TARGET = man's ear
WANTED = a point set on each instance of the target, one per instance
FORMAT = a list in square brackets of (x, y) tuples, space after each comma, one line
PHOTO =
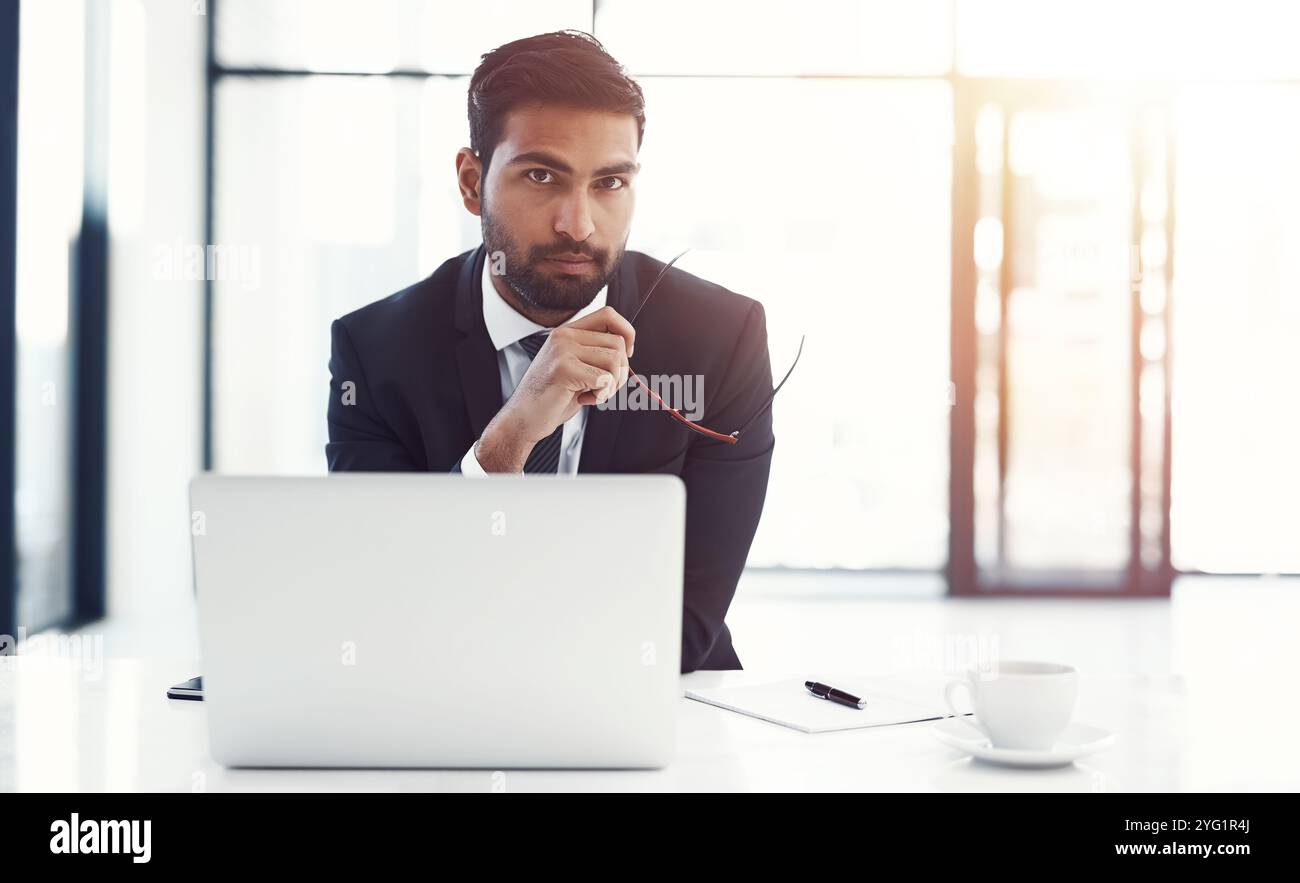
[(469, 172)]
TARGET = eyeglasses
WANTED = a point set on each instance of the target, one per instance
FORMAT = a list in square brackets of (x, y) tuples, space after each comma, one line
[(732, 437)]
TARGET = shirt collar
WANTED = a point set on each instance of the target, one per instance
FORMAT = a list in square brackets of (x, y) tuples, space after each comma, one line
[(506, 326)]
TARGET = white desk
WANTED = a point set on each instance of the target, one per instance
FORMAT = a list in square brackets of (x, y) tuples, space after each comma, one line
[(67, 733), (1200, 689)]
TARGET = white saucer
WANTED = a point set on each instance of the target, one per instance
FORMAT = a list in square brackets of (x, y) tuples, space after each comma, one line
[(1078, 740)]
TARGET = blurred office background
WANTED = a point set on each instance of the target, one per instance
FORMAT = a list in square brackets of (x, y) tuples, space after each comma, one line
[(1045, 256)]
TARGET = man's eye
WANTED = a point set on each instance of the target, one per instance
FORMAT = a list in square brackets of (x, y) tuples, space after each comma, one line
[(539, 176), (612, 183)]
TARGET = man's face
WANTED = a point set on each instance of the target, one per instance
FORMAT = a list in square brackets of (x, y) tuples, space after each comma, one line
[(558, 201)]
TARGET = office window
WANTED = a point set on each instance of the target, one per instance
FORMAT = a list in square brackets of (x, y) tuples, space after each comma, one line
[(1236, 424), (50, 174), (775, 37), (318, 209), (1127, 39), (1059, 248), (809, 165), (838, 222), (381, 35), (341, 190)]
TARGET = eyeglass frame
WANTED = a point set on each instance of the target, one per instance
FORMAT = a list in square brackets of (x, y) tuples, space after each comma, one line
[(729, 438)]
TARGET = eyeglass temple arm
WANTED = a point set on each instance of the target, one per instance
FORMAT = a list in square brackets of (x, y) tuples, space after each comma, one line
[(735, 435), (677, 415), (768, 403), (653, 286)]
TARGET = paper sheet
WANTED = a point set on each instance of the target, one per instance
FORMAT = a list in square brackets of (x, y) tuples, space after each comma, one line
[(789, 704)]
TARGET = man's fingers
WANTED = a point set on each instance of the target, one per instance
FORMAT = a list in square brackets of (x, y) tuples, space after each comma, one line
[(608, 359), (581, 377), (589, 357), (607, 319), (586, 337), (598, 348)]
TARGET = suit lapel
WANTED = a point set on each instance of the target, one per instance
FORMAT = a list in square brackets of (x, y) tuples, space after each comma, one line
[(599, 441), (476, 357)]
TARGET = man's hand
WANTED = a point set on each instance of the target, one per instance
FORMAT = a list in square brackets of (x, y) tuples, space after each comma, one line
[(582, 363)]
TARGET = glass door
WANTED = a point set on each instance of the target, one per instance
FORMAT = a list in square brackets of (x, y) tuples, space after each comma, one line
[(1060, 481)]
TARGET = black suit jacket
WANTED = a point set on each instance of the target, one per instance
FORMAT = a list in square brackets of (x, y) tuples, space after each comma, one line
[(426, 383)]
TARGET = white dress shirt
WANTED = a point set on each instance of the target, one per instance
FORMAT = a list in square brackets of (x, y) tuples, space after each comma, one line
[(507, 327)]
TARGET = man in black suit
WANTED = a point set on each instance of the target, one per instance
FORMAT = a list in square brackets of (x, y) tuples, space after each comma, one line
[(508, 358)]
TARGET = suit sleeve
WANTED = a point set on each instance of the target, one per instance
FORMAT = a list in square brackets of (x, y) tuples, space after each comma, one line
[(726, 485), (359, 438)]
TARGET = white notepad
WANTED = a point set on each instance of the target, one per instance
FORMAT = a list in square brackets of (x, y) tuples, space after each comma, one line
[(789, 704)]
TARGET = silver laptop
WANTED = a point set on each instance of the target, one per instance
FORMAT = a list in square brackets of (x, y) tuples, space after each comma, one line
[(384, 620)]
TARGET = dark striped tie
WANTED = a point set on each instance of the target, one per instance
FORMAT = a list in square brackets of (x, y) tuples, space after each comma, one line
[(546, 453)]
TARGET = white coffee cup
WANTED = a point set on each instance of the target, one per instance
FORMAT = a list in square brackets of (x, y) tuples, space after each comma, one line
[(1023, 705)]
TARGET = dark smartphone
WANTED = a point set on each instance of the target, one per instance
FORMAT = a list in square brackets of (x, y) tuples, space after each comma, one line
[(191, 689)]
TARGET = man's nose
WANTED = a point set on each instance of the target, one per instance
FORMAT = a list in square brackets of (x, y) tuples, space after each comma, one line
[(574, 218)]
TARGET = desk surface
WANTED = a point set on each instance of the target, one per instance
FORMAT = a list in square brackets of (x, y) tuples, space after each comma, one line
[(68, 730), (1199, 688)]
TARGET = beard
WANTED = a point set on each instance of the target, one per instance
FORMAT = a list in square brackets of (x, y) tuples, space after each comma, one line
[(529, 277)]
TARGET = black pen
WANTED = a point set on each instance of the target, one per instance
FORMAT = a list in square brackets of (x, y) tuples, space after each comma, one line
[(822, 691)]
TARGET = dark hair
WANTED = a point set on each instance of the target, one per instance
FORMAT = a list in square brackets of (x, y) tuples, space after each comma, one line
[(568, 68)]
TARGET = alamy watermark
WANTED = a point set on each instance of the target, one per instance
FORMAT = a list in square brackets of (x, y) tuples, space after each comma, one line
[(683, 393), (51, 648), (226, 262), (948, 652)]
